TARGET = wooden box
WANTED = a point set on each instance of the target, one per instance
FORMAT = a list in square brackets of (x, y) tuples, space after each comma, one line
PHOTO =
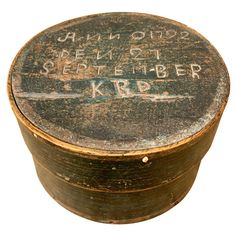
[(118, 110)]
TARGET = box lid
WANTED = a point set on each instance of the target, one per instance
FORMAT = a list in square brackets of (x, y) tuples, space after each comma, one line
[(119, 82)]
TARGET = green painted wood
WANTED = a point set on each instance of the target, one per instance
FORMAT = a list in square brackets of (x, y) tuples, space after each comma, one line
[(118, 110)]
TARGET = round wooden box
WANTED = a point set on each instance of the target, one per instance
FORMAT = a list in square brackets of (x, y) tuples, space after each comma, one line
[(118, 110)]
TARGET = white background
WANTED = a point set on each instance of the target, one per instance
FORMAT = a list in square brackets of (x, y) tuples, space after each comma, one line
[(25, 207)]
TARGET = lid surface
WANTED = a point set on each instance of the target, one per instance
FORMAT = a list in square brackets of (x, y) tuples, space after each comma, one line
[(119, 81)]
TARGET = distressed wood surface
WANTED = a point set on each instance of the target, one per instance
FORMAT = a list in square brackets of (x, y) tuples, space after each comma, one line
[(118, 110)]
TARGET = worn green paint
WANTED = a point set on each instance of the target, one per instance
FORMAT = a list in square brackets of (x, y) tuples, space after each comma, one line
[(118, 110)]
